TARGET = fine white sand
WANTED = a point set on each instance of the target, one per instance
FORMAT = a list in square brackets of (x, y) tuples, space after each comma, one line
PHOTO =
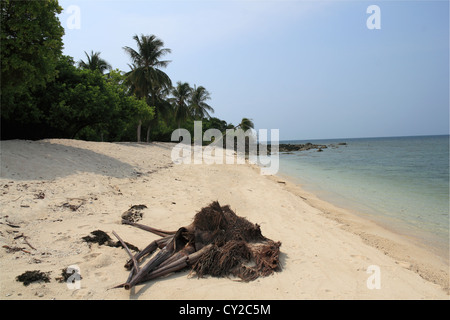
[(55, 192)]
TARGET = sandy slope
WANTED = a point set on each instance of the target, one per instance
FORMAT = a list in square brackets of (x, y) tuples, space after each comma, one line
[(325, 252)]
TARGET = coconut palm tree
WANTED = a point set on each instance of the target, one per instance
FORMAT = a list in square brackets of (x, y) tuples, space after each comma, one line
[(246, 124), (94, 62), (181, 94), (146, 77), (199, 108), (163, 105)]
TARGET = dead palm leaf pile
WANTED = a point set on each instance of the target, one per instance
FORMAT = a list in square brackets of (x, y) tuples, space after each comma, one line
[(217, 243)]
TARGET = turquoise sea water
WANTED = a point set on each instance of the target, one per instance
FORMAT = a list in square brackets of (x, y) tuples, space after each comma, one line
[(399, 182)]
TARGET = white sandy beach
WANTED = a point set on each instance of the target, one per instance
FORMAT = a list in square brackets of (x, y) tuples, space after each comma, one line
[(325, 252)]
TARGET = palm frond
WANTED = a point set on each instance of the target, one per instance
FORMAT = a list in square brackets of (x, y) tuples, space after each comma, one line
[(94, 62), (246, 124), (199, 108)]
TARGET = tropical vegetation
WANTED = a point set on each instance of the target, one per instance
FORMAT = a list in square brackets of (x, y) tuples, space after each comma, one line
[(94, 62), (45, 94)]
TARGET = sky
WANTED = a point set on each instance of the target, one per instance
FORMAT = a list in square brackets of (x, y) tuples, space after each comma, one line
[(312, 69)]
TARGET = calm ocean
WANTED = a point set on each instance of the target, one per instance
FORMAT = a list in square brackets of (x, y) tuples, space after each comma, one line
[(399, 182)]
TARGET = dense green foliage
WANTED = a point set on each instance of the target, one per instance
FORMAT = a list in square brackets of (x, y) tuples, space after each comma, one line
[(81, 98), (45, 94), (30, 46)]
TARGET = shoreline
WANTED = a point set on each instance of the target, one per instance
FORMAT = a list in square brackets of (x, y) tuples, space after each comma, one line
[(407, 249), (56, 192), (372, 180)]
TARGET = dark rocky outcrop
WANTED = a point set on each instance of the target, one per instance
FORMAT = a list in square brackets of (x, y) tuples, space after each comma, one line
[(289, 148)]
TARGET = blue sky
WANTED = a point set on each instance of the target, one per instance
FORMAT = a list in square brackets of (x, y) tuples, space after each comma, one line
[(311, 69)]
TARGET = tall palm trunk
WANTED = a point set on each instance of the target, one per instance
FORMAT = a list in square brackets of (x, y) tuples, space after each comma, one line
[(155, 117), (138, 133), (148, 133)]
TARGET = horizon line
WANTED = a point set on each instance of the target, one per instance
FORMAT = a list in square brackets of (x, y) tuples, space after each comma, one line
[(371, 137)]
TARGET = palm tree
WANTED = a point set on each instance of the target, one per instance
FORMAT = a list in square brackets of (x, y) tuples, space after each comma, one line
[(250, 140), (181, 94), (162, 104), (199, 108), (146, 78), (94, 62), (245, 124)]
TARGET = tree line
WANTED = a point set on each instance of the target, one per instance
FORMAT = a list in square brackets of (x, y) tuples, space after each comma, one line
[(45, 94)]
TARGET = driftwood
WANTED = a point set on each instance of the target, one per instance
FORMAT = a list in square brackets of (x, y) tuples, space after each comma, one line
[(217, 243)]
